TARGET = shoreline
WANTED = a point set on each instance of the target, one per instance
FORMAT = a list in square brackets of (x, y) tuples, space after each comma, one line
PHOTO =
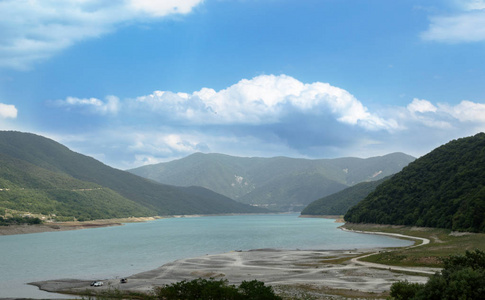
[(76, 225), (71, 225), (316, 270)]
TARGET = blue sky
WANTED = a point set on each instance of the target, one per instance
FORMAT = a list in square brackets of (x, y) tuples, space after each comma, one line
[(134, 82)]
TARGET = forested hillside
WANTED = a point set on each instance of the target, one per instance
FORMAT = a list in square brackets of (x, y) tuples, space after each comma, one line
[(40, 175), (28, 188), (445, 189), (278, 183), (340, 202)]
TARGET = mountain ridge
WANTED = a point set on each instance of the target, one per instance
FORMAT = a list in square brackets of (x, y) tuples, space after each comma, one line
[(46, 154), (258, 181)]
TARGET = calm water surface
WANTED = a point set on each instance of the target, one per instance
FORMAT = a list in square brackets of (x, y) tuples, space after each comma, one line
[(125, 250)]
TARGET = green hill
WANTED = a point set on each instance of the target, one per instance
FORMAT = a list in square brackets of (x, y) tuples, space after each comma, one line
[(340, 202), (43, 175), (28, 188), (445, 189), (278, 183)]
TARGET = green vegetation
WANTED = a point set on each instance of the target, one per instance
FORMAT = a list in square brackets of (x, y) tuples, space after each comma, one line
[(279, 183), (38, 175), (340, 202), (443, 243), (197, 289), (205, 289), (444, 189), (463, 277), (6, 221)]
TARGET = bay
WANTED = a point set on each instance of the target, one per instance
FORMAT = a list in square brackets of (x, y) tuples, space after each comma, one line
[(121, 251)]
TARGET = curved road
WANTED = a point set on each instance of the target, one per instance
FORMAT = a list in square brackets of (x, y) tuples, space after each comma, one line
[(424, 241)]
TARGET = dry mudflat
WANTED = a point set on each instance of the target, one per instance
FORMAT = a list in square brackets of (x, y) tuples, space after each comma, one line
[(320, 272)]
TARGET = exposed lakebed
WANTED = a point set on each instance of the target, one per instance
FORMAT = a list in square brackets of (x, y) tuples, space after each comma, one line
[(104, 253)]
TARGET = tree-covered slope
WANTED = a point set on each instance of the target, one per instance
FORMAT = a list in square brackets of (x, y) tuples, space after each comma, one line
[(279, 183), (445, 189), (162, 199), (339, 203), (28, 188)]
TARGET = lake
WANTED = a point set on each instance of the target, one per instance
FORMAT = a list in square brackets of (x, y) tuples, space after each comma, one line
[(121, 251)]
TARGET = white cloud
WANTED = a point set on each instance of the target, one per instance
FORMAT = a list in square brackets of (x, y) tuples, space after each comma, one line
[(467, 25), (8, 111), (264, 116), (421, 106), (466, 111), (93, 105), (442, 115), (472, 4), (34, 30), (264, 99), (164, 7)]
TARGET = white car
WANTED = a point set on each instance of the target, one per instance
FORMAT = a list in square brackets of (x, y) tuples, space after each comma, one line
[(98, 283)]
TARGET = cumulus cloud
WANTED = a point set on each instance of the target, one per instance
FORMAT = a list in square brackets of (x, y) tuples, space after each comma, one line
[(8, 111), (443, 115), (421, 106), (92, 105), (267, 115), (466, 111), (34, 30), (263, 99), (466, 25)]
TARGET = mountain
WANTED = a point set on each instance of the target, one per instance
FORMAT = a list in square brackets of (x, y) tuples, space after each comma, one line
[(444, 189), (40, 175), (28, 188), (340, 202), (278, 183)]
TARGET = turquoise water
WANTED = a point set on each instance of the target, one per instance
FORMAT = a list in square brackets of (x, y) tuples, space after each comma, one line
[(125, 250)]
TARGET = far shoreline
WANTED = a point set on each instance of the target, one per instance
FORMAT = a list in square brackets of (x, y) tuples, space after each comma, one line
[(78, 225), (71, 225), (337, 218)]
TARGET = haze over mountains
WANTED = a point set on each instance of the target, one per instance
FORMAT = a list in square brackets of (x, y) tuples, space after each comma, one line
[(39, 175), (278, 183)]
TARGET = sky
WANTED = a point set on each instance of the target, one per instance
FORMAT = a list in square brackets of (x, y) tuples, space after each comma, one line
[(137, 82)]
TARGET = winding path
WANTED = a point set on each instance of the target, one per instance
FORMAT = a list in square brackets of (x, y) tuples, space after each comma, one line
[(424, 241)]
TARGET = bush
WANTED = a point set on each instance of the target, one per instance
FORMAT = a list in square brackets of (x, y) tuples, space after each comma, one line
[(463, 277), (203, 289)]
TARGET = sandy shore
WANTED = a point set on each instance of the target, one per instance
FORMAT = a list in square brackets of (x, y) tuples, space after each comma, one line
[(316, 271), (63, 226)]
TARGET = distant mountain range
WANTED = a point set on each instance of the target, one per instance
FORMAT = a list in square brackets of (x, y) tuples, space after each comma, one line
[(444, 189), (340, 202), (278, 183), (39, 175)]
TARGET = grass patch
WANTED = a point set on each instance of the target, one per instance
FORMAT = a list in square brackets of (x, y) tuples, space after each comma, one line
[(443, 243), (340, 260), (310, 292)]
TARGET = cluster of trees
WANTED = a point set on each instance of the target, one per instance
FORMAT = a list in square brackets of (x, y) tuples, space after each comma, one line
[(209, 289), (444, 189), (463, 277), (6, 221)]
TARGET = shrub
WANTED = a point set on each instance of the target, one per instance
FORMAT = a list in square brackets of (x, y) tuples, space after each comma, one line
[(211, 289), (463, 277)]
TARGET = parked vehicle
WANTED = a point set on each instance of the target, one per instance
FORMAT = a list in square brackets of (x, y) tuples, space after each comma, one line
[(98, 283)]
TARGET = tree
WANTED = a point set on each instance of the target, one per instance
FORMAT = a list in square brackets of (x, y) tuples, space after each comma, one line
[(211, 289), (463, 277)]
